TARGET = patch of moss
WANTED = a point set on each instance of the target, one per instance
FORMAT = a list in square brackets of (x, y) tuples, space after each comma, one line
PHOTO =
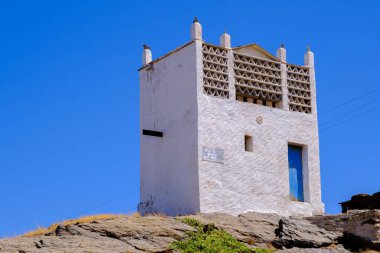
[(209, 239)]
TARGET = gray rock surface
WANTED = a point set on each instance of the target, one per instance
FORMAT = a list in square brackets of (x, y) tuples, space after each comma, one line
[(298, 232), (250, 228), (318, 250), (362, 202), (123, 234), (362, 225)]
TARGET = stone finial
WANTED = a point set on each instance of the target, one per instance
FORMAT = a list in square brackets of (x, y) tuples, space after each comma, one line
[(281, 53), (225, 40), (196, 30), (309, 58), (147, 55)]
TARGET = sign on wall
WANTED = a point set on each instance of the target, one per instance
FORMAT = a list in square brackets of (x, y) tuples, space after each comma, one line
[(213, 154)]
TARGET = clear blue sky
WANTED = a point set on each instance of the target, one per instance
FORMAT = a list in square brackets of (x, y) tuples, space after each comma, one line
[(69, 115)]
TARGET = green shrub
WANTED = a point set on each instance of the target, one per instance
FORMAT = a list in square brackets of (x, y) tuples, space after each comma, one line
[(262, 250), (192, 222), (209, 239)]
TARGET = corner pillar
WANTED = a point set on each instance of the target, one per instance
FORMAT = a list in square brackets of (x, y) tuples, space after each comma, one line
[(225, 42), (281, 55)]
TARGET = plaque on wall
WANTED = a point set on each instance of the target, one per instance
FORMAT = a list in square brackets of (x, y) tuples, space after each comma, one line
[(213, 154)]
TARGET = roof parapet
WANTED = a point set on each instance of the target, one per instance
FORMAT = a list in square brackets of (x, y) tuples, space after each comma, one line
[(147, 55), (309, 58), (281, 53), (225, 40), (196, 30)]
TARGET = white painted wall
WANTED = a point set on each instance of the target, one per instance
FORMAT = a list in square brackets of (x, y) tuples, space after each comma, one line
[(168, 165), (259, 180)]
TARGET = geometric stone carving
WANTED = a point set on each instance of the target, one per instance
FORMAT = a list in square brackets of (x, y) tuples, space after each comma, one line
[(215, 71), (298, 83)]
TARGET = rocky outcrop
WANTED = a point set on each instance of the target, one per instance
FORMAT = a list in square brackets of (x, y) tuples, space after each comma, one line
[(123, 234), (362, 202), (361, 228), (298, 232), (339, 249), (250, 228), (156, 234)]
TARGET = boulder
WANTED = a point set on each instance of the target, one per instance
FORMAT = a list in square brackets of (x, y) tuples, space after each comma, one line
[(338, 249), (360, 227), (362, 202), (123, 234), (251, 228), (298, 232)]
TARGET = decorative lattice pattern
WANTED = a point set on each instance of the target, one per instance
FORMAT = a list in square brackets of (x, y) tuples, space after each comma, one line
[(215, 75), (298, 80), (257, 80)]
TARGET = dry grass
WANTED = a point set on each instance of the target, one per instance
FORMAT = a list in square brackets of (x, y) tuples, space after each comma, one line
[(368, 251), (86, 219), (36, 232), (157, 215), (135, 215), (332, 246)]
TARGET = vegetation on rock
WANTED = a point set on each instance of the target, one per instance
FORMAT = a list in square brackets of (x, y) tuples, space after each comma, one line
[(209, 239)]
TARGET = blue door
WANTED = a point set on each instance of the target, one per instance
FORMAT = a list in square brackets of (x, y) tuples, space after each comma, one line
[(295, 173)]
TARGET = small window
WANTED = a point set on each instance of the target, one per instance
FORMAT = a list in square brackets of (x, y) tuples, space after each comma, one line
[(248, 143)]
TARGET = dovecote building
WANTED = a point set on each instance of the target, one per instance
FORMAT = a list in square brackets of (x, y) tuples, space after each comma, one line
[(228, 129)]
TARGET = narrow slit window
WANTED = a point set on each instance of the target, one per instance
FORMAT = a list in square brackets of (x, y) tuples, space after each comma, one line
[(152, 133), (248, 142)]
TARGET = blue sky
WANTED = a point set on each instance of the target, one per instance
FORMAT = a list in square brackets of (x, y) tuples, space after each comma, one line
[(69, 138)]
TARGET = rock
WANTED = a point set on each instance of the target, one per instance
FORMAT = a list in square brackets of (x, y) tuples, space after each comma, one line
[(298, 232), (338, 249), (261, 226), (227, 222), (124, 234), (250, 228), (52, 244), (361, 227), (362, 202)]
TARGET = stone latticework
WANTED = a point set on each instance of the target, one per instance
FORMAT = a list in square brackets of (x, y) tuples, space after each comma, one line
[(215, 75), (299, 94), (257, 78)]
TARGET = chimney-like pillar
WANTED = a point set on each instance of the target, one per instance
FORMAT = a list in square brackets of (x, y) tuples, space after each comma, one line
[(225, 41), (309, 63), (196, 30), (281, 55), (314, 196), (308, 58), (147, 55)]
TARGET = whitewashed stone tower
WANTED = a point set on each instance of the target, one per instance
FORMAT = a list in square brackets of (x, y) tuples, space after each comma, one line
[(228, 129)]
